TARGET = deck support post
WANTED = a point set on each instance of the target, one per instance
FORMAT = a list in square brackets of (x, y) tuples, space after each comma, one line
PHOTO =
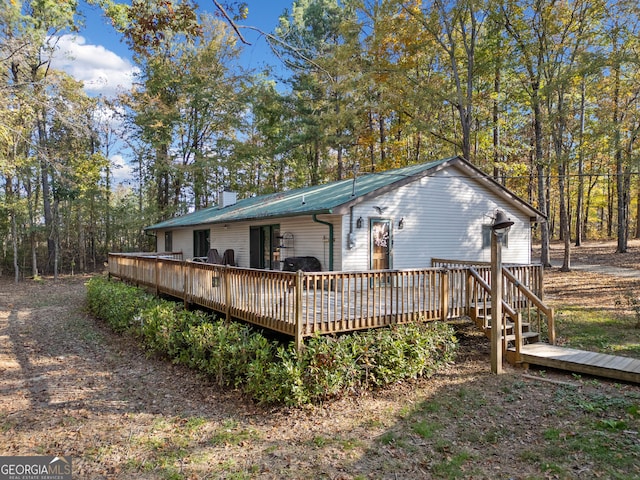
[(298, 312), (551, 326), (185, 285), (496, 304), (467, 293), (444, 294)]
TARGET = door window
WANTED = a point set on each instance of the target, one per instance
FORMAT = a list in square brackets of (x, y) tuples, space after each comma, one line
[(380, 230)]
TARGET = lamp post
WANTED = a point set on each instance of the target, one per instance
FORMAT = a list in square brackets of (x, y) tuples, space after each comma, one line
[(499, 228)]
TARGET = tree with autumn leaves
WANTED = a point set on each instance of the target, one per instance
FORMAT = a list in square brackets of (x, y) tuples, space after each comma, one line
[(541, 94)]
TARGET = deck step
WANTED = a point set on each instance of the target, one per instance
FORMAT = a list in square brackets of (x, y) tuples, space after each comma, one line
[(528, 337)]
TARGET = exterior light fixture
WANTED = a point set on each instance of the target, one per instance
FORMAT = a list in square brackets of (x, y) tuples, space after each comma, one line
[(359, 222), (501, 223), (401, 224)]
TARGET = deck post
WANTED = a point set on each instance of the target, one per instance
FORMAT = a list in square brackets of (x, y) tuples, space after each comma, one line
[(551, 325), (467, 293), (444, 294), (157, 271), (496, 304), (185, 284), (227, 292), (298, 311)]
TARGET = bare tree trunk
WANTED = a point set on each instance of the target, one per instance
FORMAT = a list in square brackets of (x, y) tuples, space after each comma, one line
[(542, 197), (610, 195), (564, 216), (580, 192), (46, 189), (497, 157), (638, 206), (56, 240), (620, 183), (383, 139), (14, 244), (587, 208), (372, 150)]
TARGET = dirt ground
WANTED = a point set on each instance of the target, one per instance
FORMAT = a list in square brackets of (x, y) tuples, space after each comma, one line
[(585, 288), (69, 386)]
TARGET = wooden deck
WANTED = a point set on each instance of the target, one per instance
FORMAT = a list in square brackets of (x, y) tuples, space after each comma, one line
[(580, 361), (303, 304)]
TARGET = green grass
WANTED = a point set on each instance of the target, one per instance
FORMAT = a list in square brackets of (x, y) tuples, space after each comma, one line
[(452, 467), (232, 434), (598, 330), (425, 428), (564, 429)]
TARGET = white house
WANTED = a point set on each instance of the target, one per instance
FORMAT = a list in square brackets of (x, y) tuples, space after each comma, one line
[(395, 219)]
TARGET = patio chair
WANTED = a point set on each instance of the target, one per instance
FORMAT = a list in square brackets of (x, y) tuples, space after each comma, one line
[(229, 257)]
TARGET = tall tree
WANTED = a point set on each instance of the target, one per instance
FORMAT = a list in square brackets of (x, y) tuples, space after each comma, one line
[(319, 42), (527, 27), (457, 28)]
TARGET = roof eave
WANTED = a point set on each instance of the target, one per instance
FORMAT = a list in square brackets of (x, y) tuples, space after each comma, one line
[(325, 211)]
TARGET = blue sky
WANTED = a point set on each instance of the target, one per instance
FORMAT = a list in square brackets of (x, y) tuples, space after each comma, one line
[(98, 57)]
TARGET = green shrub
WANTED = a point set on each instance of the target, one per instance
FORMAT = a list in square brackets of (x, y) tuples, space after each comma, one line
[(118, 303), (278, 379), (329, 367), (164, 327), (236, 355), (223, 350)]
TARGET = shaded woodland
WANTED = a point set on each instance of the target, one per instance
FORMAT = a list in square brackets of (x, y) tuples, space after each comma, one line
[(542, 94)]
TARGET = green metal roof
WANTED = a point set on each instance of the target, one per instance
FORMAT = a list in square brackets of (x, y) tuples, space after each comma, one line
[(321, 199)]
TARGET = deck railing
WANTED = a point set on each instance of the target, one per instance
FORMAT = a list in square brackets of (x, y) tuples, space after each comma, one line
[(303, 304), (523, 293)]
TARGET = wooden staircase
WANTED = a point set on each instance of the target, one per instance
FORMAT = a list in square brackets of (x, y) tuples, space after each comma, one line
[(516, 331), (481, 316)]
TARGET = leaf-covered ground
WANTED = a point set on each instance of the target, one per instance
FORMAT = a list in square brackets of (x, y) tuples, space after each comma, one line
[(69, 386)]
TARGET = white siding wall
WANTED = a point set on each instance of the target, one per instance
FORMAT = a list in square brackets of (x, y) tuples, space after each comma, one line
[(443, 218), (309, 238), (182, 241), (312, 238), (234, 236)]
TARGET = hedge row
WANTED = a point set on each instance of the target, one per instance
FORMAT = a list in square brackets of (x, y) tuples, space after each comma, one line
[(237, 355)]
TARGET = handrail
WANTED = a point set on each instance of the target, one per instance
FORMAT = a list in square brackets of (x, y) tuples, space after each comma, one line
[(506, 308), (443, 262), (548, 311), (299, 304)]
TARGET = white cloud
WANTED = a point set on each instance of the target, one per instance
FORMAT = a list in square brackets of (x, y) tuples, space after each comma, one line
[(102, 71), (121, 171)]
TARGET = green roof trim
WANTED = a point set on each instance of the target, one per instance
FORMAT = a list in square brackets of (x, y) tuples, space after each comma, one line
[(329, 198)]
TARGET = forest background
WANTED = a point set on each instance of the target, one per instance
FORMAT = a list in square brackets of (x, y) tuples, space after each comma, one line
[(544, 95)]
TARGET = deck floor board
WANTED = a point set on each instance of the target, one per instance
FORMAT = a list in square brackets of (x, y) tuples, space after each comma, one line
[(580, 361)]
